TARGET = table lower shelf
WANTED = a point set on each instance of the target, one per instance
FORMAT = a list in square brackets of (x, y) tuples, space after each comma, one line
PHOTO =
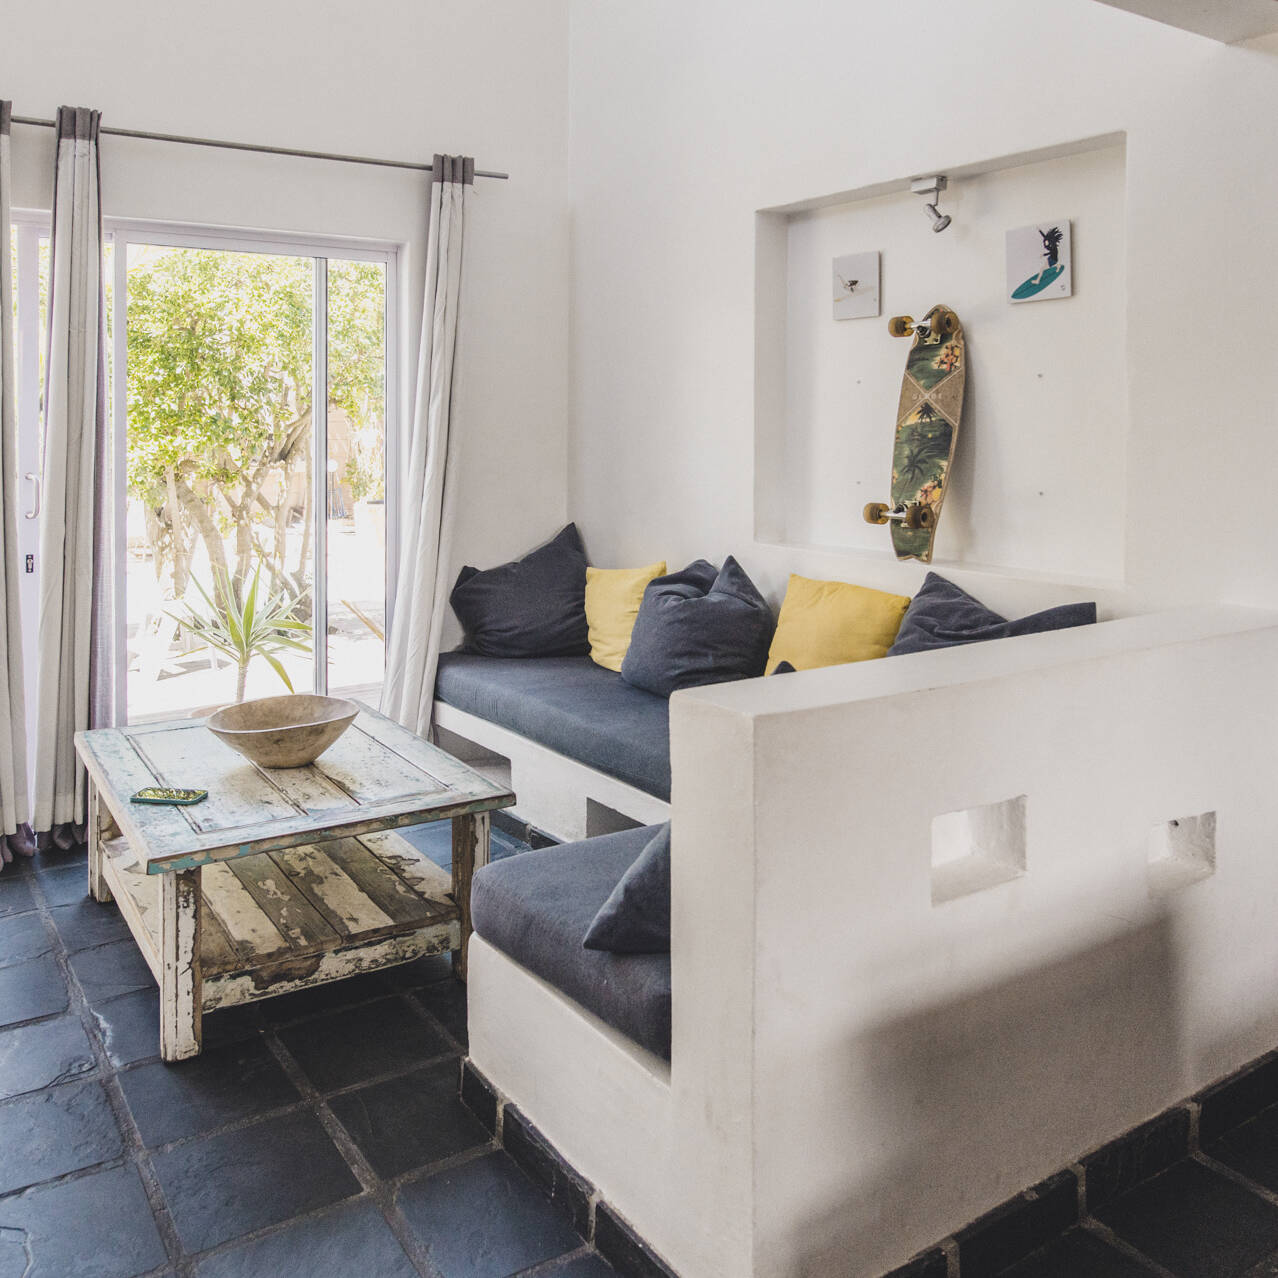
[(275, 922)]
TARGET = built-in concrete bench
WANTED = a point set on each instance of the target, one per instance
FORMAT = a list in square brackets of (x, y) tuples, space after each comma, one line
[(939, 926), (587, 752), (536, 908)]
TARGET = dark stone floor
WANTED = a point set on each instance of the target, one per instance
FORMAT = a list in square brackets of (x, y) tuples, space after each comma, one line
[(1214, 1215), (319, 1134)]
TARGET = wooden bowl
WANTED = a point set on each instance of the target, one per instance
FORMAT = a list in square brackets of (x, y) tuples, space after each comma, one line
[(283, 732)]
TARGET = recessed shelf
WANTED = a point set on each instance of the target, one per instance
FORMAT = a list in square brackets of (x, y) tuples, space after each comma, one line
[(977, 848), (1039, 478), (1181, 852)]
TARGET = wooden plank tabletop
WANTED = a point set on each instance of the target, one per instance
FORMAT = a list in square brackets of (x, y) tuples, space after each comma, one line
[(377, 776)]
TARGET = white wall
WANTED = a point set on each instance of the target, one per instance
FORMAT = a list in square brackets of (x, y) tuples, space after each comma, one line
[(479, 77), (686, 119)]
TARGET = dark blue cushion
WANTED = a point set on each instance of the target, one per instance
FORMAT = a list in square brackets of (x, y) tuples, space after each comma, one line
[(635, 919), (696, 627), (571, 705), (537, 907), (530, 607), (942, 615)]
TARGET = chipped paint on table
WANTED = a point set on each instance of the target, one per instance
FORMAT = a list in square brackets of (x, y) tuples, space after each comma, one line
[(282, 878)]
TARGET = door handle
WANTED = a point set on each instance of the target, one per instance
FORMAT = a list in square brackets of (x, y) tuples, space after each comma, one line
[(35, 510)]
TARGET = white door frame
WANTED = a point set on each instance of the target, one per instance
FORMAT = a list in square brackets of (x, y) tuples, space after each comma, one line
[(126, 231)]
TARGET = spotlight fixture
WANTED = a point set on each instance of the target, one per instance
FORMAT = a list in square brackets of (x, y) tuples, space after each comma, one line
[(933, 186)]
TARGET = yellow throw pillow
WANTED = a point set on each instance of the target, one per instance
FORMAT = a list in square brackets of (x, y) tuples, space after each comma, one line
[(613, 596), (827, 623)]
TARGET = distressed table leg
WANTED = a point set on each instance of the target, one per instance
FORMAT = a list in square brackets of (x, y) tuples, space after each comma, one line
[(181, 986), (98, 888), (470, 852)]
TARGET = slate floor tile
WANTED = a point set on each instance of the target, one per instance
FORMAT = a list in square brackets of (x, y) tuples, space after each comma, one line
[(1252, 1149), (446, 1001), (422, 971), (31, 989), (87, 922), (109, 970), (66, 884), (224, 1186), (362, 1042), (40, 1055), (410, 1121), (222, 1085), (484, 1219), (97, 1226), (354, 1239), (59, 1130), (1077, 1253), (1196, 1222), (587, 1266), (130, 1026), (329, 997), (15, 894), (23, 936), (435, 839)]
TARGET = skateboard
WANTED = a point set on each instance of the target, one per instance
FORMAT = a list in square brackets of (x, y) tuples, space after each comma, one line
[(927, 425)]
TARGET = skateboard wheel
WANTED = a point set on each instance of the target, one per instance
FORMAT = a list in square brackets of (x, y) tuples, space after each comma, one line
[(917, 517), (875, 513), (946, 323), (901, 325)]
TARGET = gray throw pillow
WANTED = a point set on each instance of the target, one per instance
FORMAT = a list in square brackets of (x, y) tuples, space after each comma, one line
[(696, 627), (635, 919), (530, 607), (943, 615)]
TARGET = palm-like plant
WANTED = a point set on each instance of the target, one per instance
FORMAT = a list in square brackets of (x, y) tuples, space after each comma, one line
[(925, 453), (246, 629)]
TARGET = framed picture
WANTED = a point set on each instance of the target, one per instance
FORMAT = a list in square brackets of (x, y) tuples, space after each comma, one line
[(1039, 267), (856, 286)]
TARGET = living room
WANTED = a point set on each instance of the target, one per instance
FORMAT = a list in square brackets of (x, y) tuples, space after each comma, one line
[(644, 348)]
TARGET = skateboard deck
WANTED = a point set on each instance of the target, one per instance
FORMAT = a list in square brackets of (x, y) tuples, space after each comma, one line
[(927, 426)]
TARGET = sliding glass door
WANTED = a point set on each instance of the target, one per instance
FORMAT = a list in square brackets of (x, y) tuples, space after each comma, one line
[(252, 441)]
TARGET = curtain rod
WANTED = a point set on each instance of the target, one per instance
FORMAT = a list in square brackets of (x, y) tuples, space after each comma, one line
[(250, 146)]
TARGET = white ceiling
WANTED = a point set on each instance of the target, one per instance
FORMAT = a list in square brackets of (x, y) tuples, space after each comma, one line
[(1227, 20)]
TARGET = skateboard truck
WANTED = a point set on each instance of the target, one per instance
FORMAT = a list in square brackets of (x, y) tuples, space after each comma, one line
[(915, 515)]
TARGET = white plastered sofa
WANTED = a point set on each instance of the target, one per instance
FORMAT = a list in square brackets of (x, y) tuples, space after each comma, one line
[(887, 1017)]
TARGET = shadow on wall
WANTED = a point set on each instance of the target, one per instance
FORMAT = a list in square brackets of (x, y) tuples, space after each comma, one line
[(976, 1099)]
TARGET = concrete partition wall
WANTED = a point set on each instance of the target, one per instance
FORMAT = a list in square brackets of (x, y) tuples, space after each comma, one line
[(948, 1008)]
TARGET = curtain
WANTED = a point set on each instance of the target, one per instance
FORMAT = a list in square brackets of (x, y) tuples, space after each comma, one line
[(74, 686), (430, 481), (15, 834)]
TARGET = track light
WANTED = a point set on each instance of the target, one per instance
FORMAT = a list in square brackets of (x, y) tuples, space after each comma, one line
[(933, 186)]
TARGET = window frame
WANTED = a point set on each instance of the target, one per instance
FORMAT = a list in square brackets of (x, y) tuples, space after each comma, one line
[(320, 248)]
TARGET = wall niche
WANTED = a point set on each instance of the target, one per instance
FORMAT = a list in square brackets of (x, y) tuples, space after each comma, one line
[(1038, 485)]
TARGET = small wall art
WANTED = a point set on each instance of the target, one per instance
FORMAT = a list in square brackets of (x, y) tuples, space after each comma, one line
[(856, 286), (1039, 267)]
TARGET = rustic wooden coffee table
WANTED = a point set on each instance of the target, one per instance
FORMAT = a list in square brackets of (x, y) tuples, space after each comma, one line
[(281, 878)]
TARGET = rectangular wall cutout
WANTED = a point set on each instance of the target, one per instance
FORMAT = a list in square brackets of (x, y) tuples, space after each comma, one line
[(1181, 852), (977, 848), (1039, 479)]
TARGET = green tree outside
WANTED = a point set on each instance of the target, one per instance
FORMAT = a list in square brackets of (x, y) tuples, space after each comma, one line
[(220, 411)]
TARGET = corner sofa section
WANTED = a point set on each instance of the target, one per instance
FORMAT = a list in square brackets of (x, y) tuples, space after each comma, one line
[(869, 1049)]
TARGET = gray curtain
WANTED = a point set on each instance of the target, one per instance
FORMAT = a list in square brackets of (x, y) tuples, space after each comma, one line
[(15, 834), (74, 686), (427, 494)]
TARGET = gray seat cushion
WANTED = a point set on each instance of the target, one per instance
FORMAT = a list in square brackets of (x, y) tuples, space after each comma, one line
[(537, 907), (570, 705)]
